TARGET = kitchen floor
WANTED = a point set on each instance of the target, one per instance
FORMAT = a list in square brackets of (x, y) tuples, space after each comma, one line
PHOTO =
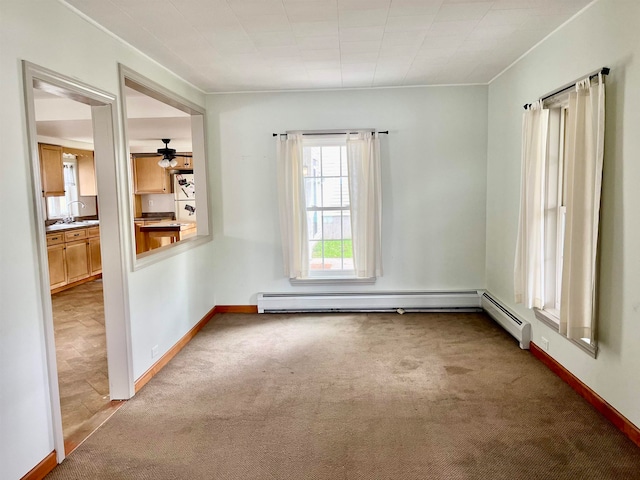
[(78, 318)]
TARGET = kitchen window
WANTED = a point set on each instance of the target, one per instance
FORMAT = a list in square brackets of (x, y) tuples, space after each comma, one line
[(61, 207)]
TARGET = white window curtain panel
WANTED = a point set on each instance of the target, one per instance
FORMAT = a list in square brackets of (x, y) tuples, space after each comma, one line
[(292, 206), (585, 154), (365, 193), (529, 264)]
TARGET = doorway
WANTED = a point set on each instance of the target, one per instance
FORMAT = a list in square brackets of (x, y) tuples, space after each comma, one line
[(71, 203), (83, 288)]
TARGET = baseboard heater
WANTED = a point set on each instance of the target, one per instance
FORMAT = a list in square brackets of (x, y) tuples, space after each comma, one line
[(465, 301), (520, 329)]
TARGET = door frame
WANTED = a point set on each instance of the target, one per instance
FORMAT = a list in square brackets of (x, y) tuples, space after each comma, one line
[(113, 208)]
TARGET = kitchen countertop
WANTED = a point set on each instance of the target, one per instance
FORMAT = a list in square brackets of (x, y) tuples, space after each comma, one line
[(169, 225), (60, 227)]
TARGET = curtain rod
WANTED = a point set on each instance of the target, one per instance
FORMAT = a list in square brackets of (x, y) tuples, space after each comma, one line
[(603, 71), (386, 132)]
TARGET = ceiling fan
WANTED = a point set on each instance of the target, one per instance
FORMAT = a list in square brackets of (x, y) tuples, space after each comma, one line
[(168, 159)]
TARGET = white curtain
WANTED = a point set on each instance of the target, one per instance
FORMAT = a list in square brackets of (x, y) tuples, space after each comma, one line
[(292, 206), (529, 264), (585, 153), (363, 160)]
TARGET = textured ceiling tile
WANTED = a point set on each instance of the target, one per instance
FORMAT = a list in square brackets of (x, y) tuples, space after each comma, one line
[(402, 8), (462, 11), (312, 11), (265, 23), (366, 18), (312, 29), (415, 22), (319, 43), (358, 57), (439, 29), (356, 34), (256, 44)]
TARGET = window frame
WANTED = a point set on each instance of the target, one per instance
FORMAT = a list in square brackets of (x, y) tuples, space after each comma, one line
[(321, 275), (132, 79), (555, 201)]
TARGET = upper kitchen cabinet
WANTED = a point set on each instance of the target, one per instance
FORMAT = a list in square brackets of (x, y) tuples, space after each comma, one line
[(184, 163), (149, 177), (86, 171), (51, 170)]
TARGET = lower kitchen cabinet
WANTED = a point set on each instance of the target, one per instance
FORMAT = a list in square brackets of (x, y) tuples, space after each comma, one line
[(95, 256), (73, 256), (78, 259), (57, 266)]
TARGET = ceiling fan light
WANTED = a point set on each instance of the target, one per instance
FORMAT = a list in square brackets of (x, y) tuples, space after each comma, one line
[(173, 162), (164, 163)]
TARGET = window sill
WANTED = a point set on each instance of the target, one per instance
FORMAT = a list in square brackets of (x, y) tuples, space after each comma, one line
[(553, 322), (332, 281), (548, 319)]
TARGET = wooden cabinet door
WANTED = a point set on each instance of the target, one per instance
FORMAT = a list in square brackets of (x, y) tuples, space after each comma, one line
[(57, 266), (78, 260), (149, 177), (141, 244), (94, 253), (87, 175), (51, 170)]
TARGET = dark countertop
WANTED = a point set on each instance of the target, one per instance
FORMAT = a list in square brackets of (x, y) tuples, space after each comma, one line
[(63, 227)]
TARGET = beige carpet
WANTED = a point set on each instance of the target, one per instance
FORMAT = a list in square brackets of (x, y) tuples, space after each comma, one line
[(380, 396)]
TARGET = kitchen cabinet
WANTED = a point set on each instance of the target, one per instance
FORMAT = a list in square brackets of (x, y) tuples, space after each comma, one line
[(149, 177), (51, 172), (184, 163), (74, 255), (86, 173), (78, 260), (57, 266), (94, 250)]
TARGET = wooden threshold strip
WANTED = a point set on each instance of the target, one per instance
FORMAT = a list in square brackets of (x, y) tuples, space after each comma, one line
[(236, 309), (614, 416), (43, 468)]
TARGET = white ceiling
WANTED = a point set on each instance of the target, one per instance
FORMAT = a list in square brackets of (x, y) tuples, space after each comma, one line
[(67, 122), (249, 45)]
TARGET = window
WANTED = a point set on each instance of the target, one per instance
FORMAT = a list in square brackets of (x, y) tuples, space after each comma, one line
[(61, 207), (326, 184), (556, 252), (330, 206), (555, 209)]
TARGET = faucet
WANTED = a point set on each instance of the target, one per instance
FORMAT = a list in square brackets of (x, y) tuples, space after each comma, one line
[(69, 218)]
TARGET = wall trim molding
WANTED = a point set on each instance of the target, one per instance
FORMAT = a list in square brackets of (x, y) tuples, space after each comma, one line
[(173, 351), (600, 404), (236, 309), (42, 469)]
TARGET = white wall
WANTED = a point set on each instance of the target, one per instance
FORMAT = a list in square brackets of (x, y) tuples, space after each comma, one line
[(607, 34), (166, 299), (434, 183)]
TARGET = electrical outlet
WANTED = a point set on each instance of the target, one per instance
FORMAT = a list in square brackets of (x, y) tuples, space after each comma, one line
[(154, 351), (151, 203), (545, 343)]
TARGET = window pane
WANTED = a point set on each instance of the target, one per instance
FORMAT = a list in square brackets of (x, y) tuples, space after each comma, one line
[(345, 191), (346, 224), (345, 166), (332, 225), (330, 161), (316, 261), (314, 225), (313, 192), (331, 192)]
